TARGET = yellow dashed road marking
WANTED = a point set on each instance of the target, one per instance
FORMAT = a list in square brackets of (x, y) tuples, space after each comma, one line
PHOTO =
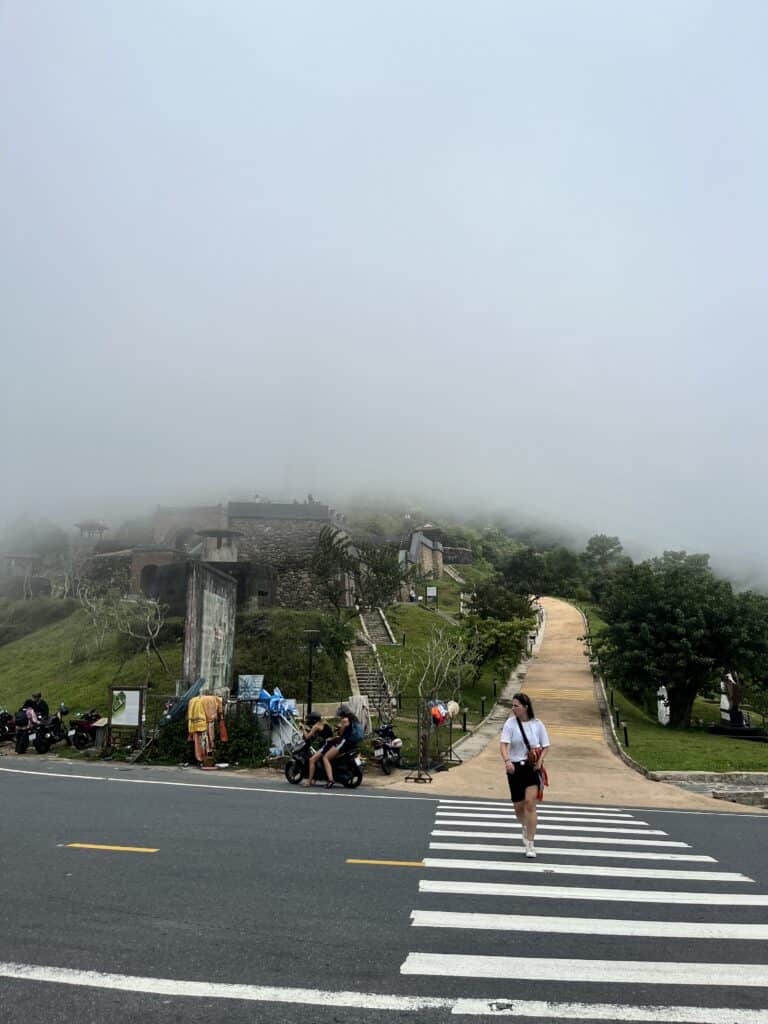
[(116, 849), (390, 863)]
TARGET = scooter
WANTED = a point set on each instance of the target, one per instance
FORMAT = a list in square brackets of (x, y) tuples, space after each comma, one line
[(347, 767), (7, 725), (82, 730), (51, 730), (386, 747)]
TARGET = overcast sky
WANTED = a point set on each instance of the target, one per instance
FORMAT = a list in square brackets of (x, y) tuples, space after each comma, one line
[(503, 252)]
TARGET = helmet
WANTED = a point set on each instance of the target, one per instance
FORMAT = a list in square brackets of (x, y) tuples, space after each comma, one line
[(313, 718)]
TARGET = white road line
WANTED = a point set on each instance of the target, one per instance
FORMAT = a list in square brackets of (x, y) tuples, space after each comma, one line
[(211, 990), (567, 852), (532, 1009), (538, 1010), (530, 868), (287, 791), (575, 808), (563, 892), (588, 926), (554, 828), (667, 843), (606, 972), (303, 792), (542, 816)]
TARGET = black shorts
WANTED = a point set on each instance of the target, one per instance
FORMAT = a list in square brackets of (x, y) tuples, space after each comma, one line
[(523, 776)]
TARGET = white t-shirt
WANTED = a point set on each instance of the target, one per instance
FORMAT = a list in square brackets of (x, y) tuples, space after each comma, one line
[(534, 730)]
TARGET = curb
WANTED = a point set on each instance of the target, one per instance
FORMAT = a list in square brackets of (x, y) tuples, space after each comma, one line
[(607, 719)]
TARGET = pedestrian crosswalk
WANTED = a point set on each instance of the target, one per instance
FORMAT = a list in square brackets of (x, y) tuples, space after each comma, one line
[(660, 936)]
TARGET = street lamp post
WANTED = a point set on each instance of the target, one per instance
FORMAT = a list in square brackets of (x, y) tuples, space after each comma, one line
[(313, 643)]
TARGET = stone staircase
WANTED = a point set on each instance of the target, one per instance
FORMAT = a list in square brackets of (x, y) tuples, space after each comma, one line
[(377, 628), (370, 677), (455, 576)]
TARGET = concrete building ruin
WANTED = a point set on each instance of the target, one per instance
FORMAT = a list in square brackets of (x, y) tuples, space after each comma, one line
[(265, 546)]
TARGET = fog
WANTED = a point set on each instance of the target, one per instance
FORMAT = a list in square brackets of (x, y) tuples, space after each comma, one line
[(502, 255)]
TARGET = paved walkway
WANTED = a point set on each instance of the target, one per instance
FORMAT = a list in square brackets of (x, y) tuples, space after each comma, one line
[(582, 767)]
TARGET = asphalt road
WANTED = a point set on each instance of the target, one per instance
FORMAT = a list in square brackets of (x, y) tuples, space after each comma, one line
[(252, 886)]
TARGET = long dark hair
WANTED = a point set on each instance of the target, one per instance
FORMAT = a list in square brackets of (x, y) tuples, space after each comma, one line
[(525, 700)]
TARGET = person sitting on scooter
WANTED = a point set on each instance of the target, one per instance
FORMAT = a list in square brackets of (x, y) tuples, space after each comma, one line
[(40, 704), (315, 726), (332, 748), (22, 731)]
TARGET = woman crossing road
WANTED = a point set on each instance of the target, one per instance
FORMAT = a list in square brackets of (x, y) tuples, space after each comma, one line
[(524, 745)]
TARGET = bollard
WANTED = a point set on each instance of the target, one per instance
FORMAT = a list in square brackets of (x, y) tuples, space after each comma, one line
[(482, 707), (626, 734), (611, 698), (403, 639), (617, 718), (464, 722), (494, 691)]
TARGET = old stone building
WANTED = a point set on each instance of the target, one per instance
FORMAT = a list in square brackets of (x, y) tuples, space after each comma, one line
[(425, 552), (177, 527), (284, 537)]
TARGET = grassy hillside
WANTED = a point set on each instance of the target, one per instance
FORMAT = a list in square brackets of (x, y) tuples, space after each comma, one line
[(53, 660), (56, 654), (20, 618)]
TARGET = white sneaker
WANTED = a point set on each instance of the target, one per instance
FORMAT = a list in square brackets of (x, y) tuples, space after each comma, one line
[(530, 852), (526, 844)]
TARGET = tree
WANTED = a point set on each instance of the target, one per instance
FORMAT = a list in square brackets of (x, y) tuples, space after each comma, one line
[(492, 638), (436, 668), (525, 573), (564, 571), (750, 654), (377, 575), (371, 570), (602, 556), (602, 551), (331, 565), (493, 600), (495, 546), (671, 621), (136, 618)]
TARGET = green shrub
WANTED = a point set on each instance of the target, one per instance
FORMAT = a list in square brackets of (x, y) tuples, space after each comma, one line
[(245, 745)]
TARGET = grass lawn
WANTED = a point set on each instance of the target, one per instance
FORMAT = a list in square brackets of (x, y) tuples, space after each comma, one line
[(662, 749), (596, 623), (659, 748)]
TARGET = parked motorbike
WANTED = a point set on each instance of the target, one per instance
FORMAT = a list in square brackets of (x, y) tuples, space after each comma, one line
[(386, 748), (7, 725), (82, 730), (51, 730), (347, 767)]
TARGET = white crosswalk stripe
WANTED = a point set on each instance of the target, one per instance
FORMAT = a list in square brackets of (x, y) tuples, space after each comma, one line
[(588, 925), (569, 852), (604, 971), (490, 804), (585, 870), (548, 826), (571, 841), (564, 818), (612, 840), (561, 892)]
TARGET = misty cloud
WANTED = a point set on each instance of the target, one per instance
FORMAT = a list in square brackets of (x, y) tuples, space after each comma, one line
[(488, 254)]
